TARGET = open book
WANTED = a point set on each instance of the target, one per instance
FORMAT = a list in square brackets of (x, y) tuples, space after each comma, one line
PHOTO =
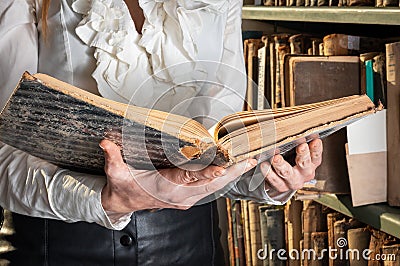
[(63, 124)]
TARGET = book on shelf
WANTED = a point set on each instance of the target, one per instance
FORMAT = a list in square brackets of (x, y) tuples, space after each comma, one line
[(311, 79), (393, 121), (63, 124)]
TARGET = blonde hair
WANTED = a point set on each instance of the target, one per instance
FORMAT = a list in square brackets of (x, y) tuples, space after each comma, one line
[(45, 11)]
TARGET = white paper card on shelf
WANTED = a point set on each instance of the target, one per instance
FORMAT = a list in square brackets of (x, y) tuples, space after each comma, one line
[(367, 160), (368, 135)]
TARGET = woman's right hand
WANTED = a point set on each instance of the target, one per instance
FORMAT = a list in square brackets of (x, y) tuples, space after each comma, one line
[(129, 190)]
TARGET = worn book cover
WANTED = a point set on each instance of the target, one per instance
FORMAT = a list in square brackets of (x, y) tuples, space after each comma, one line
[(393, 121), (63, 124), (318, 78)]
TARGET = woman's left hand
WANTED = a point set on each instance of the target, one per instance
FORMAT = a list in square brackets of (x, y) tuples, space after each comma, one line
[(283, 177)]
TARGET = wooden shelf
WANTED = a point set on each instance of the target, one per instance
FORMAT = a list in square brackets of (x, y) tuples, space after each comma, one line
[(356, 15), (380, 216)]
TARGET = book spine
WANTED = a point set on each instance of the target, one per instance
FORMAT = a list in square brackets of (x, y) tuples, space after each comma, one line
[(293, 211), (358, 241), (331, 219), (231, 249), (393, 124), (276, 235), (240, 235), (255, 232), (369, 79), (264, 233), (391, 255), (339, 232), (380, 84), (319, 242), (247, 241)]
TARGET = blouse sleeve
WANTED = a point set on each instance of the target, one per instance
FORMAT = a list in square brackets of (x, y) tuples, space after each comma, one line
[(29, 185)]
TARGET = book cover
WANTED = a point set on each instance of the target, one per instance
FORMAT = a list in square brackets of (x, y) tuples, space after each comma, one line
[(317, 78), (393, 121), (63, 124)]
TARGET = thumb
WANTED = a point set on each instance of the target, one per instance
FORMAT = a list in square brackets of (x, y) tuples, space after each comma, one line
[(113, 158)]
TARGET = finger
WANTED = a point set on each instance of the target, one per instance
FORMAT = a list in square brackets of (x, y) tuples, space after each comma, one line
[(303, 158), (282, 167), (275, 181), (316, 149), (230, 174), (112, 156), (209, 172)]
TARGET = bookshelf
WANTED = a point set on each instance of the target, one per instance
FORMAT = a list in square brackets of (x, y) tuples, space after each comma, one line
[(358, 15), (379, 216)]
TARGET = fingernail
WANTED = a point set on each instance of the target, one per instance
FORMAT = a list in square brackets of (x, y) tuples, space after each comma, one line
[(302, 148), (220, 172), (253, 163), (101, 147), (277, 159)]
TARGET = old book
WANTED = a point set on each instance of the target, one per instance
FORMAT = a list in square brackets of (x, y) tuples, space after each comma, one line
[(313, 221), (378, 240), (340, 239), (319, 243), (282, 47), (331, 218), (316, 78), (342, 44), (251, 47), (358, 240), (264, 83), (276, 235), (390, 3), (269, 2), (64, 124), (264, 233), (363, 58), (380, 83), (246, 229), (391, 253), (293, 209), (240, 235), (361, 2), (393, 121), (255, 232), (231, 249)]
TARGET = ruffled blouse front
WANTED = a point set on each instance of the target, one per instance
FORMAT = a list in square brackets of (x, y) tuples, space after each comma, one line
[(158, 68)]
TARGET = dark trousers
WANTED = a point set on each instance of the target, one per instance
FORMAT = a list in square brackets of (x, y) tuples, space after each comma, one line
[(164, 237)]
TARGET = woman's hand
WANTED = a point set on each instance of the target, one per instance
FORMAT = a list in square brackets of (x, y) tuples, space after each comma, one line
[(129, 190), (283, 177)]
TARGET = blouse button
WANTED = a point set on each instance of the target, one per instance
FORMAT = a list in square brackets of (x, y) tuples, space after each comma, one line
[(125, 240)]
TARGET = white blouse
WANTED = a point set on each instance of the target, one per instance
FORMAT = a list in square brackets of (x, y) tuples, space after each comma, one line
[(187, 60)]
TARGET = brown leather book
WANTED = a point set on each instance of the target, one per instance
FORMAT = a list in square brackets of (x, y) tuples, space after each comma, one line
[(293, 210), (393, 121), (282, 48), (313, 221), (342, 44), (255, 232), (361, 2), (391, 253), (276, 235), (358, 240), (331, 219), (390, 3), (319, 243), (311, 79)]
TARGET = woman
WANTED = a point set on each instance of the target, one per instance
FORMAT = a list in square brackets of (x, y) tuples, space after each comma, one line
[(137, 53)]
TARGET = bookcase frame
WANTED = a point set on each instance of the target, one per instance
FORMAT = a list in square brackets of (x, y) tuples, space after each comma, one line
[(380, 216)]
